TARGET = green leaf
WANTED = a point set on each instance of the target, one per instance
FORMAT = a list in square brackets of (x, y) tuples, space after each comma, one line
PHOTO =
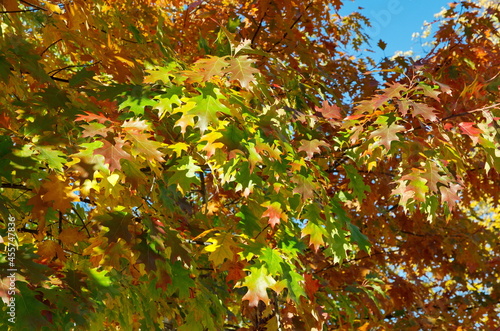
[(181, 280), (207, 105), (356, 182), (184, 174), (271, 257), (54, 158), (249, 221), (359, 238)]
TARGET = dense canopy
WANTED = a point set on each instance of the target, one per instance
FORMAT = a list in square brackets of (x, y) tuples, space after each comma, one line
[(231, 165)]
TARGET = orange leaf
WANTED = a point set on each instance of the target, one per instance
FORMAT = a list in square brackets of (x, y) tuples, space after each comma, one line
[(70, 236), (50, 249), (274, 213)]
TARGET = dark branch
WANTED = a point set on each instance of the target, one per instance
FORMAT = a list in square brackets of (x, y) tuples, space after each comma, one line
[(258, 28), (15, 186), (47, 48), (32, 5), (18, 11)]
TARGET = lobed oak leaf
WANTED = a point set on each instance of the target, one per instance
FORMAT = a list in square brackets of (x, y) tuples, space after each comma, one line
[(93, 129), (160, 74), (356, 182), (305, 187), (450, 195), (211, 145), (169, 101), (178, 148), (221, 247), (394, 90), (101, 118), (404, 193), (240, 69), (206, 107), (145, 147), (136, 125), (311, 147), (70, 236), (387, 134), (257, 283), (211, 66), (245, 44), (329, 111), (423, 110), (54, 158), (433, 177), (113, 153), (272, 258), (403, 106), (469, 129), (185, 121), (181, 280), (315, 233), (57, 190), (430, 92), (417, 183), (274, 213), (50, 249)]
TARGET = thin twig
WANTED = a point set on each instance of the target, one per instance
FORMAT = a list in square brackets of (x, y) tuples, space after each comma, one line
[(15, 186), (47, 48), (18, 11), (290, 28), (32, 5), (83, 222)]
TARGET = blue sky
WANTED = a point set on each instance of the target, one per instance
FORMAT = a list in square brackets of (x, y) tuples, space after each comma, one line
[(394, 21)]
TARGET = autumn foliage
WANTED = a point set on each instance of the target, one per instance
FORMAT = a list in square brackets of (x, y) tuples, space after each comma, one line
[(230, 165)]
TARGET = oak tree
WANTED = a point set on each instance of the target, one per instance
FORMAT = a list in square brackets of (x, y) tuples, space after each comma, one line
[(231, 165)]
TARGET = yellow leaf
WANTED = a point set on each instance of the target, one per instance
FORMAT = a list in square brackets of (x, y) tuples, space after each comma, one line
[(221, 248), (53, 8)]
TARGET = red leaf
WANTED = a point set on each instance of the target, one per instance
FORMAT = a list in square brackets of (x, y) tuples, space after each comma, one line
[(328, 111), (93, 117), (469, 129), (312, 285), (113, 153)]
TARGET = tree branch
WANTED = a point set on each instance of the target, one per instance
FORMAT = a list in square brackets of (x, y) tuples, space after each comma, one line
[(32, 5), (47, 48), (18, 11), (290, 28), (15, 186)]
